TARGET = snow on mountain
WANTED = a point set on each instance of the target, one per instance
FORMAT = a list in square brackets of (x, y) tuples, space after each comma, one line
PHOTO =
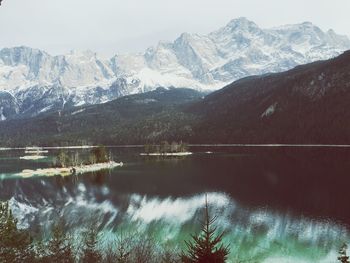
[(236, 50), (22, 67), (37, 81)]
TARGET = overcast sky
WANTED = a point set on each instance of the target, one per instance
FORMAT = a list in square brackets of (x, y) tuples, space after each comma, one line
[(115, 26)]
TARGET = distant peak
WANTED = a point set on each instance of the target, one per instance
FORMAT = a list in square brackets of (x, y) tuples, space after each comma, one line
[(307, 23), (241, 22), (185, 36), (332, 33), (308, 26), (24, 49)]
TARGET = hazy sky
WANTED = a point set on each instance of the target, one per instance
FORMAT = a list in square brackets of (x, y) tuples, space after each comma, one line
[(114, 26)]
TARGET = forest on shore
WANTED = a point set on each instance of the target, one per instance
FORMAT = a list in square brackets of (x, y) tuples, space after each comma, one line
[(207, 246)]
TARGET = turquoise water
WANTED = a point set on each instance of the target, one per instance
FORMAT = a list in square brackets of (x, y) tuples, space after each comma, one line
[(275, 205)]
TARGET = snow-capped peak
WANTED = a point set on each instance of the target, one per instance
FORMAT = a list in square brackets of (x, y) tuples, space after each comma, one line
[(236, 50), (242, 24)]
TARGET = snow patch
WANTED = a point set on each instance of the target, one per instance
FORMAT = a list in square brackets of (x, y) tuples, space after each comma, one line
[(2, 117), (69, 170), (202, 62), (270, 110), (78, 111)]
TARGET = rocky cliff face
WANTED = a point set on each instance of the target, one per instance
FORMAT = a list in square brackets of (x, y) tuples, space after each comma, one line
[(38, 82)]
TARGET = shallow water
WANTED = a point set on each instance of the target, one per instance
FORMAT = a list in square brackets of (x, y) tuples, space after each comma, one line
[(277, 204)]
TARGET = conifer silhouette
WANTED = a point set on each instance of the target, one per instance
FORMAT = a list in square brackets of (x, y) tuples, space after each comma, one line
[(15, 244), (343, 258), (90, 251), (59, 247), (207, 247)]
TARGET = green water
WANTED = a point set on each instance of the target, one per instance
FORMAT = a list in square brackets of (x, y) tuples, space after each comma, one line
[(275, 205)]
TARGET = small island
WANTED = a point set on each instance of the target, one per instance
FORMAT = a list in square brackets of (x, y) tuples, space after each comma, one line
[(65, 165), (34, 153), (166, 149)]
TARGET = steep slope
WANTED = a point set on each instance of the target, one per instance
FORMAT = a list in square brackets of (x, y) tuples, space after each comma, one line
[(150, 116), (237, 50), (306, 105), (40, 82), (24, 67)]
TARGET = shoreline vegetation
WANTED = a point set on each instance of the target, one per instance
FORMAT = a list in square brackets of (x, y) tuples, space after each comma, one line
[(62, 246), (65, 164), (166, 149)]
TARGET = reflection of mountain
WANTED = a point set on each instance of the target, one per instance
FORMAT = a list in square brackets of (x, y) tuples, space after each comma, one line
[(254, 177), (252, 190), (256, 233), (37, 82)]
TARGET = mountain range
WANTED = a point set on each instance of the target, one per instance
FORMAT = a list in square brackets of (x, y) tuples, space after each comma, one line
[(305, 105), (34, 82)]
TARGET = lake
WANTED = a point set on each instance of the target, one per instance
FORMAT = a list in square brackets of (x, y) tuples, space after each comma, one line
[(276, 204)]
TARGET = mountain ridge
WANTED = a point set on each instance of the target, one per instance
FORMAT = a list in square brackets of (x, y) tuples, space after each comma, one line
[(305, 105), (202, 62)]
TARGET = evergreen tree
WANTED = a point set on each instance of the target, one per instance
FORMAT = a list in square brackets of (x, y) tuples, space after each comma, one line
[(144, 250), (207, 247), (41, 252), (123, 254), (59, 249), (148, 148), (15, 244), (169, 256), (165, 147), (90, 251), (99, 154), (124, 248), (342, 254)]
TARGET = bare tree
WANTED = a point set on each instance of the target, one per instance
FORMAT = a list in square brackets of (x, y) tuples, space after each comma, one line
[(144, 250)]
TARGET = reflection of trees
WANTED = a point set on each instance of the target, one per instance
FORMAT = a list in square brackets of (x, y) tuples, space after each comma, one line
[(163, 158), (95, 178), (99, 178), (62, 181), (165, 147)]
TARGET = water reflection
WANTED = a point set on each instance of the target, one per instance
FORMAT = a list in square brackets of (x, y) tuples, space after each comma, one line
[(284, 201)]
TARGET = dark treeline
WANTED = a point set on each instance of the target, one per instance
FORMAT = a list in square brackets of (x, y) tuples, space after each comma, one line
[(166, 147), (97, 155), (305, 105)]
